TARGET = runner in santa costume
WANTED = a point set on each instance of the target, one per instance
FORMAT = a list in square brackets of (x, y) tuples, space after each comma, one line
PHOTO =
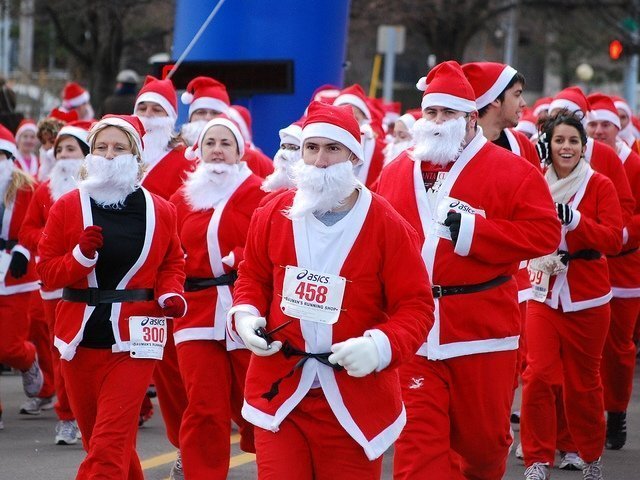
[(619, 356), (371, 132), (70, 148), (626, 132), (75, 98), (17, 273), (114, 249), (285, 158), (527, 123), (402, 138), (479, 210), (567, 325), (26, 143), (48, 129), (323, 389), (214, 208)]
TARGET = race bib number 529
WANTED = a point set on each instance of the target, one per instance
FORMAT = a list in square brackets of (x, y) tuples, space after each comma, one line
[(311, 295)]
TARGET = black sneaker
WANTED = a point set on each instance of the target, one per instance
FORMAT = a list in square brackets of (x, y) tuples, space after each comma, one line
[(616, 430)]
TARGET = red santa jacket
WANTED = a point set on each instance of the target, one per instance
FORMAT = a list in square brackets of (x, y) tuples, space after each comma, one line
[(585, 283), (160, 266), (258, 162), (514, 220), (14, 214), (387, 295), (624, 268), (207, 236), (168, 175), (374, 157)]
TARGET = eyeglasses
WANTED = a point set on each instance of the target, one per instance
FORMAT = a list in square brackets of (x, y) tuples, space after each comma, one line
[(289, 146)]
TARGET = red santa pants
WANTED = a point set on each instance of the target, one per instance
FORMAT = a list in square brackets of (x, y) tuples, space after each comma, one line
[(106, 391), (172, 396), (461, 404), (41, 338), (619, 355), (15, 350), (312, 445), (564, 349), (62, 406), (214, 380), (521, 361)]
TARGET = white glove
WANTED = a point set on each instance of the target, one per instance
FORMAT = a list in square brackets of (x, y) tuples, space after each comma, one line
[(359, 356), (246, 326)]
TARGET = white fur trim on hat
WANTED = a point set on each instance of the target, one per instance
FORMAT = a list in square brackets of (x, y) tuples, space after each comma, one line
[(210, 103), (7, 146), (543, 106), (242, 125), (496, 89), (76, 101), (602, 115), (448, 101), (290, 134), (408, 120), (79, 133), (333, 132), (118, 122), (27, 127), (225, 122), (349, 99), (624, 106), (527, 127), (160, 100), (561, 103)]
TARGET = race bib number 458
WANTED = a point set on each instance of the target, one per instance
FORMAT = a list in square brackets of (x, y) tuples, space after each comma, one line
[(312, 296), (148, 337)]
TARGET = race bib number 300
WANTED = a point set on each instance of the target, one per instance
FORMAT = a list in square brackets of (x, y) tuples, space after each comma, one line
[(148, 337), (312, 296)]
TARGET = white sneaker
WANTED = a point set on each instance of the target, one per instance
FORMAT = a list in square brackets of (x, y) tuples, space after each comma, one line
[(32, 379), (592, 471), (176, 471), (35, 405), (537, 471), (570, 461), (67, 432), (519, 452)]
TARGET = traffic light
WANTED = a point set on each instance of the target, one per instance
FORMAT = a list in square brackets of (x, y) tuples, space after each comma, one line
[(615, 49)]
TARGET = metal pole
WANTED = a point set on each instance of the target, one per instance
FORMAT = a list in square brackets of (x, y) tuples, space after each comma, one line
[(5, 34), (511, 38), (389, 66)]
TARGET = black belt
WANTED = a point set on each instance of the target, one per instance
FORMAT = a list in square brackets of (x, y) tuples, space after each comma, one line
[(289, 352), (623, 253), (193, 284), (96, 296), (7, 244), (442, 291), (585, 254)]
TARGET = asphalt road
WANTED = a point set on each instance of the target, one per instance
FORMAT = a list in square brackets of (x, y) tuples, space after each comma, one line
[(27, 449)]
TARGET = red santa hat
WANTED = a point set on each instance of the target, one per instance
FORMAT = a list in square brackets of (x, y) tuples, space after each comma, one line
[(335, 122), (621, 104), (63, 116), (130, 123), (571, 98), (73, 95), (78, 130), (446, 86), (195, 151), (242, 117), (528, 122), (541, 105), (26, 125), (7, 141), (291, 134), (161, 92), (206, 92), (325, 93), (354, 95), (602, 109), (488, 79)]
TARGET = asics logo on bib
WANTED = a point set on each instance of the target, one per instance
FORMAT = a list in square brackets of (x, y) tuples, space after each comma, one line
[(312, 277), (153, 321), (461, 206)]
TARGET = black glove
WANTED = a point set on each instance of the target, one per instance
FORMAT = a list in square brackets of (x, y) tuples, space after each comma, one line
[(543, 148), (565, 213), (453, 222), (18, 265)]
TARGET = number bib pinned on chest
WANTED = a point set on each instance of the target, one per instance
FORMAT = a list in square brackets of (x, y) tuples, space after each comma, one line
[(148, 337), (312, 296)]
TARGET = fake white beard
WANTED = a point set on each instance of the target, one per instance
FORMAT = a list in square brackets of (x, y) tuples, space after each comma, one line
[(6, 171), (321, 190), (64, 177), (109, 182), (282, 177), (626, 134), (156, 139), (392, 150), (438, 144), (46, 163), (191, 131), (210, 183)]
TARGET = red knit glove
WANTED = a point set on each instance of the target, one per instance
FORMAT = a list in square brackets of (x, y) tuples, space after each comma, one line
[(90, 240), (174, 307)]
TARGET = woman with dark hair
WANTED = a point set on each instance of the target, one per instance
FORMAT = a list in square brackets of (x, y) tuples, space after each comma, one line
[(113, 248), (567, 324)]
